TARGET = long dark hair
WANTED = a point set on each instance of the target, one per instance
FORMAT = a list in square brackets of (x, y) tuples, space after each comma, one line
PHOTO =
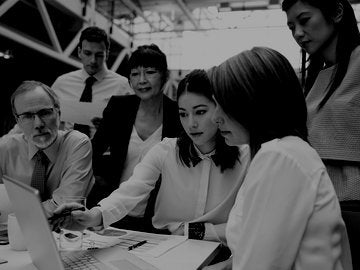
[(197, 82), (348, 39), (259, 89)]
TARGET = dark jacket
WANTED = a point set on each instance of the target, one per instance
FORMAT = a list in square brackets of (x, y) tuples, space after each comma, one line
[(114, 132), (116, 127)]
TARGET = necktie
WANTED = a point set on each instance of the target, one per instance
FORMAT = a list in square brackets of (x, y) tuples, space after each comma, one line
[(38, 178), (86, 96)]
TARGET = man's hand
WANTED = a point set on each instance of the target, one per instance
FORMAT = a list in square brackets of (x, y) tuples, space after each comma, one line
[(66, 217), (96, 122)]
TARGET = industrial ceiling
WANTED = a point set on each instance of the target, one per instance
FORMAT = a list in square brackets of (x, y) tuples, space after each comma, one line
[(173, 15)]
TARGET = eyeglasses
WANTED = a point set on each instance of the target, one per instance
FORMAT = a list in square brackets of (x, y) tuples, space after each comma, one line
[(43, 114)]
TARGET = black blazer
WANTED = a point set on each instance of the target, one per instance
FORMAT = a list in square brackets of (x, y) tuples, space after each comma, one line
[(115, 130)]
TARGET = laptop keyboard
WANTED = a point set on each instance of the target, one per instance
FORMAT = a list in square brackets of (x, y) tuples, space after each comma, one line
[(79, 260)]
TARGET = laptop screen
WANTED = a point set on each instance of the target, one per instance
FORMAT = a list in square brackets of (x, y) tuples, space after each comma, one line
[(33, 223)]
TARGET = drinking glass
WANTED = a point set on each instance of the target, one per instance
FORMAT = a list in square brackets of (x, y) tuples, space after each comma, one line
[(71, 239)]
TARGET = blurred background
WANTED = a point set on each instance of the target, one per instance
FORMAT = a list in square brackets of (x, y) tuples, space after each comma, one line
[(38, 38)]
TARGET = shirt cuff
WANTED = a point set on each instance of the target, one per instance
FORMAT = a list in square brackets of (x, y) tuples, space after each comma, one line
[(186, 230), (49, 207), (111, 214), (100, 227)]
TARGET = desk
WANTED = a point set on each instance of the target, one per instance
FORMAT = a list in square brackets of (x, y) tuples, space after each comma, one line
[(191, 254)]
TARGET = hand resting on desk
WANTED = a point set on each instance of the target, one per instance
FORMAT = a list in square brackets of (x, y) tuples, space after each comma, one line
[(77, 220)]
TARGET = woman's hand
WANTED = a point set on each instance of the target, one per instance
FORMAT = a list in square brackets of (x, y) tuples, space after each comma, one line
[(179, 231), (77, 219), (96, 122)]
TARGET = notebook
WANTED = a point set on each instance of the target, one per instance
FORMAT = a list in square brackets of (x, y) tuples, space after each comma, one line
[(42, 246)]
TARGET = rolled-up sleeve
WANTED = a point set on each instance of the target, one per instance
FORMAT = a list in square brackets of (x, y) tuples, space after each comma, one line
[(74, 168)]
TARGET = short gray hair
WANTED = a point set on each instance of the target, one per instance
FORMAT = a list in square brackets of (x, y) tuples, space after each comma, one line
[(27, 86)]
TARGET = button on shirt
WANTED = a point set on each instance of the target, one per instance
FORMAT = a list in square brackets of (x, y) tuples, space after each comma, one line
[(70, 86), (201, 193), (69, 171)]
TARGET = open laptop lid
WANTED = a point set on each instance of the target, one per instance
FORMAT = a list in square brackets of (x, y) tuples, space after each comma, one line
[(31, 217)]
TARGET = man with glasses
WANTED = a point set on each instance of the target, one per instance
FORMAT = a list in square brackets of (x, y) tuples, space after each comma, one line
[(93, 51), (57, 163)]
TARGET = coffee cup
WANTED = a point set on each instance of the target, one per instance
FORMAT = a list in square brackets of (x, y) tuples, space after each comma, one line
[(15, 235)]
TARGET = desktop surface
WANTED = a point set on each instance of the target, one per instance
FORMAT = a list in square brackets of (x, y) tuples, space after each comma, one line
[(190, 254)]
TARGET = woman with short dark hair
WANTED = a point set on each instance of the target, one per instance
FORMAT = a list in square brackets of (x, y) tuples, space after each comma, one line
[(131, 125)]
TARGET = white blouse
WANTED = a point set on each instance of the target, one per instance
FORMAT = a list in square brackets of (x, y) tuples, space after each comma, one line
[(286, 214), (196, 194), (136, 151)]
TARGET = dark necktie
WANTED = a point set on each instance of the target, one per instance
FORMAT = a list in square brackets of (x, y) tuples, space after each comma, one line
[(86, 96), (38, 178)]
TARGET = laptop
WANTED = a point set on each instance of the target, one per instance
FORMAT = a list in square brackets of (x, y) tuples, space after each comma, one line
[(42, 246)]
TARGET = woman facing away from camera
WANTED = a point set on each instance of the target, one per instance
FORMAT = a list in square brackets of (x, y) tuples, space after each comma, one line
[(327, 31), (286, 214), (200, 174)]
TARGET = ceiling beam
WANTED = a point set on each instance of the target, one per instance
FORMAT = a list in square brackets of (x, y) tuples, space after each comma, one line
[(6, 6), (38, 46), (188, 13), (48, 25), (132, 6)]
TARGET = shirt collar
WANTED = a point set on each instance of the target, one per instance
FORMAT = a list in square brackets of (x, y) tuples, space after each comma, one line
[(50, 152), (98, 76), (202, 156)]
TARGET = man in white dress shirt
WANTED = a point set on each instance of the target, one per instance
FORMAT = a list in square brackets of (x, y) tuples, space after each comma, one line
[(93, 50)]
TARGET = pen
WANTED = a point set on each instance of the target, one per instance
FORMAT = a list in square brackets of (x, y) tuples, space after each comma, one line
[(137, 245), (65, 213)]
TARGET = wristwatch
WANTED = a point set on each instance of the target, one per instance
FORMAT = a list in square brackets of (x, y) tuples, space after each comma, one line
[(196, 230)]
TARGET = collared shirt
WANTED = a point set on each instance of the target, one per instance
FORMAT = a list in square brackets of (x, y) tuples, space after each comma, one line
[(196, 194), (70, 86), (70, 169), (136, 151), (286, 214)]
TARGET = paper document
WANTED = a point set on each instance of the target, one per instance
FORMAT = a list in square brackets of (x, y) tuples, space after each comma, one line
[(155, 246), (81, 112)]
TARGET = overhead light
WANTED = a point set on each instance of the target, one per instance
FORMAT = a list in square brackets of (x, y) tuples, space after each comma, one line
[(6, 54), (224, 7), (248, 5)]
